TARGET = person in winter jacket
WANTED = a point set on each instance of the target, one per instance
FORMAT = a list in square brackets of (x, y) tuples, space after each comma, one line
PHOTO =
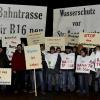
[(18, 68)]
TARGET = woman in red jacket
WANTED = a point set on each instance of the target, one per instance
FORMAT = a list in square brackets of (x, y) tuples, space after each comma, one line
[(18, 67)]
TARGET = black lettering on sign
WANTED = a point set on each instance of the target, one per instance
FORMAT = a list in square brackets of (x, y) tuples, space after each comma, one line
[(76, 23), (18, 29), (61, 33), (3, 29), (36, 30), (11, 13)]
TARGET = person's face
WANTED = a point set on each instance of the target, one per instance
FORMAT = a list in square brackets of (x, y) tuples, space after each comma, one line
[(58, 50), (83, 53), (68, 51), (19, 48), (1, 50), (52, 51), (97, 49), (42, 48), (74, 49)]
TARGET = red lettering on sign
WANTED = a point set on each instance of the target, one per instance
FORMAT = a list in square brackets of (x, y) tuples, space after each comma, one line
[(88, 40), (89, 35), (34, 65)]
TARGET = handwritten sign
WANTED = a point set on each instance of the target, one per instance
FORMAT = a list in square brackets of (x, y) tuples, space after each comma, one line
[(89, 39), (67, 61), (55, 41), (97, 61), (10, 41), (33, 57), (35, 38), (82, 65), (72, 39), (5, 76)]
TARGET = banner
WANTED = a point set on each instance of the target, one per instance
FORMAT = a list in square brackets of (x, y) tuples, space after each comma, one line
[(35, 38), (74, 20), (11, 42), (89, 39), (22, 19), (5, 76), (82, 65), (56, 42), (97, 61), (67, 61), (51, 60), (33, 57)]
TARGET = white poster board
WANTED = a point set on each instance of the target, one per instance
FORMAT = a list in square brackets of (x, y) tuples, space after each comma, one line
[(82, 64), (67, 61), (22, 19), (51, 60), (74, 20)]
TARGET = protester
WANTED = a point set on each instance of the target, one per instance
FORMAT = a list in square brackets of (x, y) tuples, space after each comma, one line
[(75, 50), (83, 77), (4, 63), (27, 75), (51, 59), (97, 75), (57, 71), (44, 64), (52, 74), (68, 79), (18, 69), (91, 54)]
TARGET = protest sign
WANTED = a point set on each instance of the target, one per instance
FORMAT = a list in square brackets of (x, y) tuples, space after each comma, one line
[(33, 57), (56, 42), (82, 65), (35, 38), (89, 39), (73, 20), (67, 61), (97, 61), (5, 76), (51, 60), (22, 19)]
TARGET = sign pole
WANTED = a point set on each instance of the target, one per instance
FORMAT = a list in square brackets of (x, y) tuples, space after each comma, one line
[(35, 83)]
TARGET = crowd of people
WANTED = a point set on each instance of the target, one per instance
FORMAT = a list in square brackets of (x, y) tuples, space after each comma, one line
[(50, 78)]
